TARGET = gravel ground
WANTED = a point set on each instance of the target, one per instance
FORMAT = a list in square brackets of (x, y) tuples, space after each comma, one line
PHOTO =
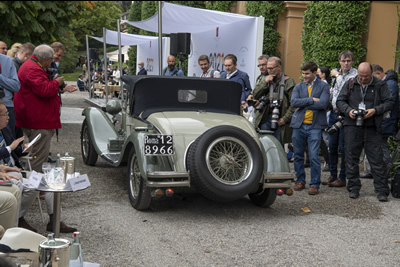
[(189, 230)]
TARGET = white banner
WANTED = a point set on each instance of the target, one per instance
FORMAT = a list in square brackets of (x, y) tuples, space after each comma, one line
[(220, 41), (148, 53)]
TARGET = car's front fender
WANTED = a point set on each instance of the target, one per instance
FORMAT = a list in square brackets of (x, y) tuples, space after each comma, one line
[(100, 128)]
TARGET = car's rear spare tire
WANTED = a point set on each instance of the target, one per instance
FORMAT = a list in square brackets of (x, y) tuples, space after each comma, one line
[(225, 163)]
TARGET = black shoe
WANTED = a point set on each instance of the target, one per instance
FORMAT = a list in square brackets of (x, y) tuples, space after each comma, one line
[(367, 175), (23, 224), (382, 197), (354, 194), (50, 160), (63, 228)]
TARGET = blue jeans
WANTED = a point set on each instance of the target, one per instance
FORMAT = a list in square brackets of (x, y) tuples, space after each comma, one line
[(267, 126), (336, 142), (302, 136)]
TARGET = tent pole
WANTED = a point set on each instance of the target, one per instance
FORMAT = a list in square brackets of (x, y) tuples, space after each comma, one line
[(160, 37), (105, 65), (89, 80), (121, 89), (120, 58)]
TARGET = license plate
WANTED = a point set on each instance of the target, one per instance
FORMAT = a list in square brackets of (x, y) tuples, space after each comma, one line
[(158, 145)]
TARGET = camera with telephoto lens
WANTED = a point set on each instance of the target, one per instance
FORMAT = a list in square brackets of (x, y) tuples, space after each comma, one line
[(360, 114), (336, 126), (264, 100), (275, 114)]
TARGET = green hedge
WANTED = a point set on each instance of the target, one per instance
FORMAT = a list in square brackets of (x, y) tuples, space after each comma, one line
[(270, 10), (331, 27)]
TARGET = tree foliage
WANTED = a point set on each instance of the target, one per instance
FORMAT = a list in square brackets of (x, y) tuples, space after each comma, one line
[(68, 62), (224, 6), (135, 14), (92, 20), (331, 27), (36, 21), (270, 10)]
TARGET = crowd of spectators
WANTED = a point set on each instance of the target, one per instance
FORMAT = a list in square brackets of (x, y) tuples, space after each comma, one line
[(359, 107), (30, 104)]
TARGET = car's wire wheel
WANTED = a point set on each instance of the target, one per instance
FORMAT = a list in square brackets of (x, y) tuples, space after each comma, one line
[(229, 160), (89, 154), (139, 193), (225, 163)]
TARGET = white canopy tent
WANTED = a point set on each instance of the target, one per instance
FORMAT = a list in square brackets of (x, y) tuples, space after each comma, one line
[(178, 18), (113, 56), (147, 48), (213, 33)]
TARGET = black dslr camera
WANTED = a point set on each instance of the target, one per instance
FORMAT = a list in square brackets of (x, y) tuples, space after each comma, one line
[(264, 101), (336, 126), (360, 114)]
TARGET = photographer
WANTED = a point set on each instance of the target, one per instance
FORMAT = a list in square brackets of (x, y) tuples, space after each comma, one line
[(59, 51), (336, 140), (272, 76), (364, 100)]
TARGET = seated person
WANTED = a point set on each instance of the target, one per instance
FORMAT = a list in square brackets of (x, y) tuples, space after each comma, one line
[(10, 151), (10, 199), (81, 83), (111, 81)]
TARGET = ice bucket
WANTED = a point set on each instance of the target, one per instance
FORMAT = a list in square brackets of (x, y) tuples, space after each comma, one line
[(54, 255), (68, 166)]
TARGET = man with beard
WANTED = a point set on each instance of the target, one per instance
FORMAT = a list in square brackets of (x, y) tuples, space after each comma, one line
[(172, 70)]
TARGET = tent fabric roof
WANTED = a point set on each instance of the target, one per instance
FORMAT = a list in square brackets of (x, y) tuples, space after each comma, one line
[(114, 54), (126, 38), (177, 18)]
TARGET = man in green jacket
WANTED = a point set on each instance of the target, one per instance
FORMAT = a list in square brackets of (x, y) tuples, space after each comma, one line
[(272, 79)]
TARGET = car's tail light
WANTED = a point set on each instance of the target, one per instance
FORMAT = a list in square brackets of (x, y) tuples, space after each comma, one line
[(158, 193), (289, 192), (169, 192), (280, 192)]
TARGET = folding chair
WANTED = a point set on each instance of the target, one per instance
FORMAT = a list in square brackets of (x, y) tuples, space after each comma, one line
[(27, 159)]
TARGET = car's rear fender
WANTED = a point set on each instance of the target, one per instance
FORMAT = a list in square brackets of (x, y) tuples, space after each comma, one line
[(100, 128), (275, 159)]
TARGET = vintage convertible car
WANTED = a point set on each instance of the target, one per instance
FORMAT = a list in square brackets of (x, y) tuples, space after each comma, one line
[(183, 132)]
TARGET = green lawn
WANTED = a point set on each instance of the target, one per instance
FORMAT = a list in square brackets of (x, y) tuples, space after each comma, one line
[(72, 76)]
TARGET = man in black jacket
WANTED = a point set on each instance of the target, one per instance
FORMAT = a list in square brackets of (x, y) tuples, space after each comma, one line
[(364, 100), (389, 124), (142, 70)]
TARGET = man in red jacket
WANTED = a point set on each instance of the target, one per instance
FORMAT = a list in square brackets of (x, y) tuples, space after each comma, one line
[(37, 111)]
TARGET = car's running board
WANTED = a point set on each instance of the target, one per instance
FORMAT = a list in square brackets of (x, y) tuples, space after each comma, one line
[(280, 176), (112, 158)]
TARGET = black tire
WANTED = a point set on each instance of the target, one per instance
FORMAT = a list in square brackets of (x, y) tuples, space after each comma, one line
[(225, 163), (89, 154), (264, 198), (139, 193)]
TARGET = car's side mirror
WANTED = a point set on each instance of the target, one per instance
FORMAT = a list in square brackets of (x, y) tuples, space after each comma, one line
[(113, 107)]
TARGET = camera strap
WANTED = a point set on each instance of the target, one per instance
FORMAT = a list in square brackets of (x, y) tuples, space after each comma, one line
[(351, 84)]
